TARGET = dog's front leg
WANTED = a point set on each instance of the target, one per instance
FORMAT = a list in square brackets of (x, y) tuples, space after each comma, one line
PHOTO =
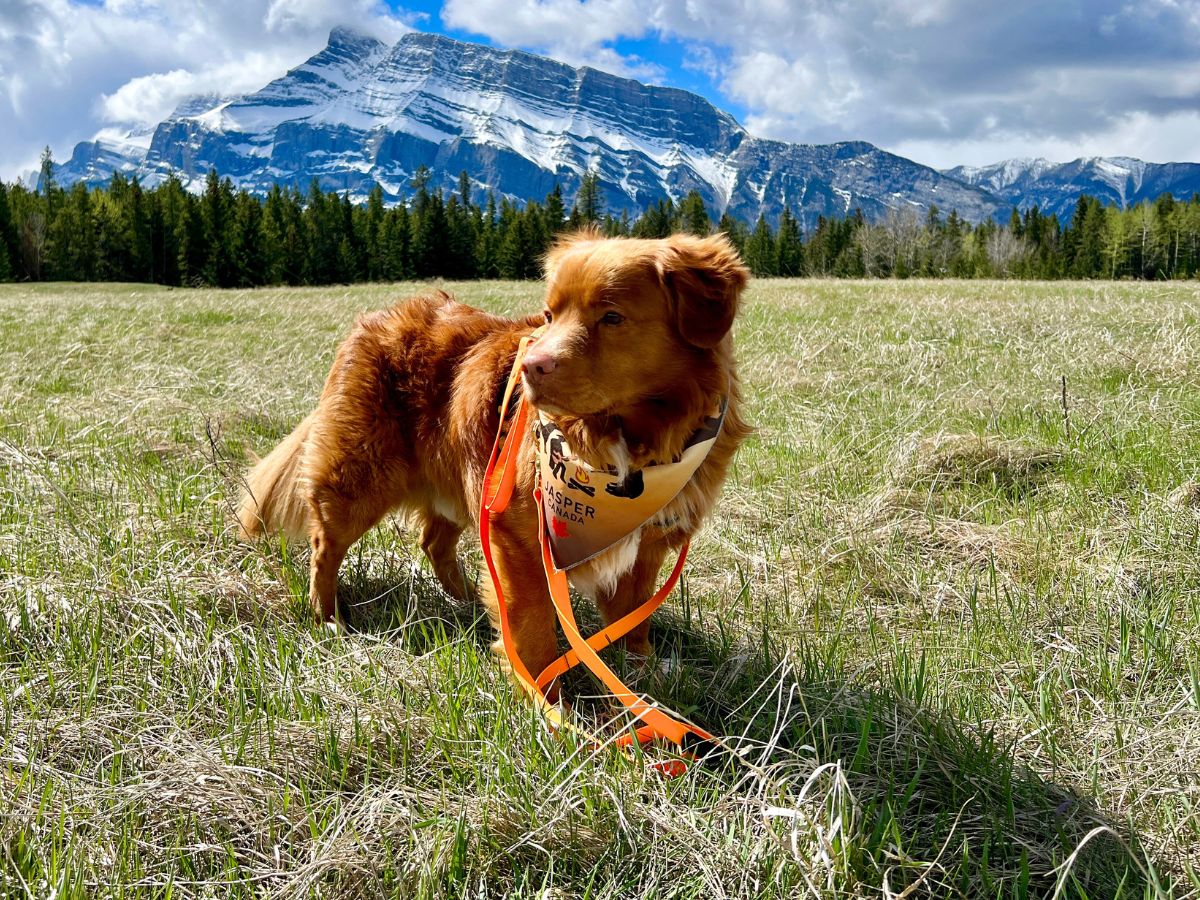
[(531, 618), (634, 588)]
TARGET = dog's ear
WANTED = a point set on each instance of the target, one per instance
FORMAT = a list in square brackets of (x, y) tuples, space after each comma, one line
[(704, 277)]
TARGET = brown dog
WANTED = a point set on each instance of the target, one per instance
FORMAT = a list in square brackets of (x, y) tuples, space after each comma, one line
[(636, 355)]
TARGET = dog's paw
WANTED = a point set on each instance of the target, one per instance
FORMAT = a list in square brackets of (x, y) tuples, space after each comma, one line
[(639, 654), (563, 707), (669, 665)]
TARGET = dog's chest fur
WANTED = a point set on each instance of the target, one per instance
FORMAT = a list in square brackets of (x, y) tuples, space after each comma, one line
[(598, 577)]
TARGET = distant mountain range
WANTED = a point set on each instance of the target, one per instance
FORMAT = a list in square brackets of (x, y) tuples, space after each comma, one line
[(361, 113), (1055, 187)]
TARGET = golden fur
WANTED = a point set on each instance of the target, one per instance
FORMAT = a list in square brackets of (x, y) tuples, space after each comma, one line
[(636, 353)]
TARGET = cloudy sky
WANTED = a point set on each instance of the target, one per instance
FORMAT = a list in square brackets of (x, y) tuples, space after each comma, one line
[(941, 81)]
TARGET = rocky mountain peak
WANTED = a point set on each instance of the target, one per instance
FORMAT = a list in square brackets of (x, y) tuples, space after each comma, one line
[(361, 112)]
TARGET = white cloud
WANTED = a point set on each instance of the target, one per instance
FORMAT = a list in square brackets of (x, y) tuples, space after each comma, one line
[(304, 16), (809, 91), (568, 23), (67, 68), (1171, 138), (568, 30), (701, 58), (148, 98)]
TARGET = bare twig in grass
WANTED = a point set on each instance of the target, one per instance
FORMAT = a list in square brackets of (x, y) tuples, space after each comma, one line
[(1066, 412)]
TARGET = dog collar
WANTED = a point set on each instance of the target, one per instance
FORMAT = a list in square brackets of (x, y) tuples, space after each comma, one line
[(587, 510)]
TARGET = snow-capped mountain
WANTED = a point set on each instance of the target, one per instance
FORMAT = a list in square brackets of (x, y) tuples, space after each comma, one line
[(1002, 176), (1055, 187), (361, 113)]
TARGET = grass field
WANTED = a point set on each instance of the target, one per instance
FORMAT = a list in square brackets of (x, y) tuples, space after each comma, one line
[(951, 603)]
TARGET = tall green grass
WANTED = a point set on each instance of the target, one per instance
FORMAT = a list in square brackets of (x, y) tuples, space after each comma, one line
[(949, 606)]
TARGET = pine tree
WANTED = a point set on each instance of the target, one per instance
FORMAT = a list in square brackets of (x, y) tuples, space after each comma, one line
[(46, 181), (136, 216), (190, 239), (460, 222), (372, 239), (73, 237), (621, 227), (215, 218), (420, 187), (1014, 223), (8, 231), (399, 244), (513, 252), (250, 258), (322, 218), (538, 240), (849, 261), (431, 236), (464, 189), (295, 250), (510, 256), (760, 249), (487, 243), (171, 199), (272, 230), (733, 229), (589, 205), (347, 260), (789, 247), (1089, 259), (656, 221), (113, 240), (350, 261), (556, 211), (692, 216)]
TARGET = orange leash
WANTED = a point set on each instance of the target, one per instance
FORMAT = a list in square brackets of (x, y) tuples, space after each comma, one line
[(499, 482)]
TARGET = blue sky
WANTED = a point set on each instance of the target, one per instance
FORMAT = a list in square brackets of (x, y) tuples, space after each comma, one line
[(943, 82)]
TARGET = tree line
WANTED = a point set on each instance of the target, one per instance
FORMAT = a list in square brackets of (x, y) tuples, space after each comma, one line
[(226, 237)]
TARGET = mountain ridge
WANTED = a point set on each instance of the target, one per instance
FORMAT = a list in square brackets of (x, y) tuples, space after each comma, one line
[(1055, 187), (360, 112)]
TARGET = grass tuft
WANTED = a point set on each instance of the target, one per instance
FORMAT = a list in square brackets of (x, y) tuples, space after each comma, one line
[(956, 460)]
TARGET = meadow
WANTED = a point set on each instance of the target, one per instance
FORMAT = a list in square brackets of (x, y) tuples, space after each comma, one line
[(949, 605)]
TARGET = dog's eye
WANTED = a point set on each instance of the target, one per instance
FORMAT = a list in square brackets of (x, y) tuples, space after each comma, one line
[(548, 316), (612, 318)]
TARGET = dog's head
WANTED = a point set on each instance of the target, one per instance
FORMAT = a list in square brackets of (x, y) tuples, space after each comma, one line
[(630, 319)]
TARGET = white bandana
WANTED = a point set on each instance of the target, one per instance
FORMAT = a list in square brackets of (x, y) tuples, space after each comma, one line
[(588, 510)]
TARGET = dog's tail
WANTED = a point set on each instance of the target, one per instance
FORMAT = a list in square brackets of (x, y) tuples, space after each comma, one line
[(271, 497)]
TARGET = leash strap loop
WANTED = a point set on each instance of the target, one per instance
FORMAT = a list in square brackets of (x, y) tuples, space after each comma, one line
[(499, 482), (610, 634)]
